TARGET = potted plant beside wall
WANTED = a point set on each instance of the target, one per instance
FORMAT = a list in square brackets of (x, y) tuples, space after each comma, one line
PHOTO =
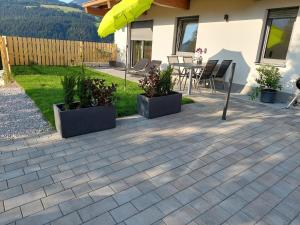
[(93, 112), (158, 99), (269, 83)]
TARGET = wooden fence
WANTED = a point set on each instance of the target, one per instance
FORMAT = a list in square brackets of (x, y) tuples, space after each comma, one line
[(28, 51)]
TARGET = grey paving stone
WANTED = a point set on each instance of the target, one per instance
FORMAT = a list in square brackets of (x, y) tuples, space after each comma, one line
[(15, 166), (146, 200), (10, 216), (74, 181), (23, 199), (233, 204), (53, 188), (10, 193), (156, 172), (81, 189), (123, 212), (127, 195), (42, 217), (3, 185), (22, 179), (101, 193), (62, 176), (240, 218), (214, 197), (275, 218), (48, 171), (99, 182), (257, 209), (181, 216), (31, 208), (213, 216), (119, 186), (201, 205), (57, 198), (145, 217), (97, 209), (166, 190), (75, 204), (296, 221), (183, 182), (71, 219), (104, 219), (33, 185), (187, 195), (168, 205)]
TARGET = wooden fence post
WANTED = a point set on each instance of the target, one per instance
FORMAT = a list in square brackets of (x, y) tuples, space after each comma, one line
[(4, 55), (81, 52)]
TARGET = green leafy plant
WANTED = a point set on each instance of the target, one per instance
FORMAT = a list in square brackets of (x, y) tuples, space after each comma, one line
[(157, 83), (94, 92), (165, 86), (103, 94), (269, 78), (69, 84), (84, 91)]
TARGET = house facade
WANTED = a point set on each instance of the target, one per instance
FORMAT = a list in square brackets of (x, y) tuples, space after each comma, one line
[(249, 32)]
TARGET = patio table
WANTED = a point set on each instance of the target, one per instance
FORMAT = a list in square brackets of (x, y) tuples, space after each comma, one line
[(191, 67)]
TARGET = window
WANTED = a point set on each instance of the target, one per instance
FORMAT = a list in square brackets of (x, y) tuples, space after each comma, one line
[(278, 34), (187, 34)]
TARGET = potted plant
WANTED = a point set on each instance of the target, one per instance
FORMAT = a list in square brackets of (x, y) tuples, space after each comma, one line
[(159, 98), (198, 54), (93, 112), (269, 83)]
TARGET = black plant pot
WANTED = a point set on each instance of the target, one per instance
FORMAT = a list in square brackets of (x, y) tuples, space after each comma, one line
[(159, 106), (84, 120), (268, 95), (112, 63)]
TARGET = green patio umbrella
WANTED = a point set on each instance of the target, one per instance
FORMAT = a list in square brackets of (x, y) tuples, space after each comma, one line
[(122, 14), (119, 16)]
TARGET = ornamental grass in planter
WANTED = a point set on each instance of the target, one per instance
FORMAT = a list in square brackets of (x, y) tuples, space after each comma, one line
[(269, 83), (93, 112), (158, 99)]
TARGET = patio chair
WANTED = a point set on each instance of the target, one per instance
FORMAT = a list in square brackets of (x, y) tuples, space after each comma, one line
[(153, 65), (176, 70), (190, 60), (220, 74), (139, 67), (207, 74)]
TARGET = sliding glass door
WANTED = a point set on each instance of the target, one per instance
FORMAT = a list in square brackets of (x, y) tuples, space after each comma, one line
[(140, 50), (141, 40)]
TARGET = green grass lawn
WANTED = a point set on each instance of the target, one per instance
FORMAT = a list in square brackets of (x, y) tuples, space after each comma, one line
[(43, 85)]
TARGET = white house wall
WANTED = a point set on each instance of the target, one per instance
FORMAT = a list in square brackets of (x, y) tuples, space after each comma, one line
[(239, 39)]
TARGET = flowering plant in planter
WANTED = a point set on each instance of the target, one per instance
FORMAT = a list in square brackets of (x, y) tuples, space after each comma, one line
[(159, 98), (93, 112), (269, 83), (198, 54), (157, 83)]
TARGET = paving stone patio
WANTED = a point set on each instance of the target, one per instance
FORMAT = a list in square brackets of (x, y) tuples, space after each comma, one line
[(189, 168)]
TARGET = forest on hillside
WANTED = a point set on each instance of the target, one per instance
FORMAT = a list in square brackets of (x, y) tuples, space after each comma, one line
[(48, 19)]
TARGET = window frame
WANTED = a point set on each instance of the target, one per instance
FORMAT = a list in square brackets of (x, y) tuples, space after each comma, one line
[(179, 33), (266, 30)]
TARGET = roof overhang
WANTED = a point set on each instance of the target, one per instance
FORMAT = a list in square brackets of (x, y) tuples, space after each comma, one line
[(101, 7)]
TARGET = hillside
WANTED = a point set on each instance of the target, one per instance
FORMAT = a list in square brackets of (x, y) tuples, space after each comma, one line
[(78, 2), (47, 19)]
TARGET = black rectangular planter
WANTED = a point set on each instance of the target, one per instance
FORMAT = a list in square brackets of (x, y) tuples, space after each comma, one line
[(159, 106), (84, 120)]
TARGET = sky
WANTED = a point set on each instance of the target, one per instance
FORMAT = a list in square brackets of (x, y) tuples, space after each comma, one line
[(67, 1)]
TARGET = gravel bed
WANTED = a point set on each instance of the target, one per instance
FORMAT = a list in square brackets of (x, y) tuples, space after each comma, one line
[(19, 116)]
